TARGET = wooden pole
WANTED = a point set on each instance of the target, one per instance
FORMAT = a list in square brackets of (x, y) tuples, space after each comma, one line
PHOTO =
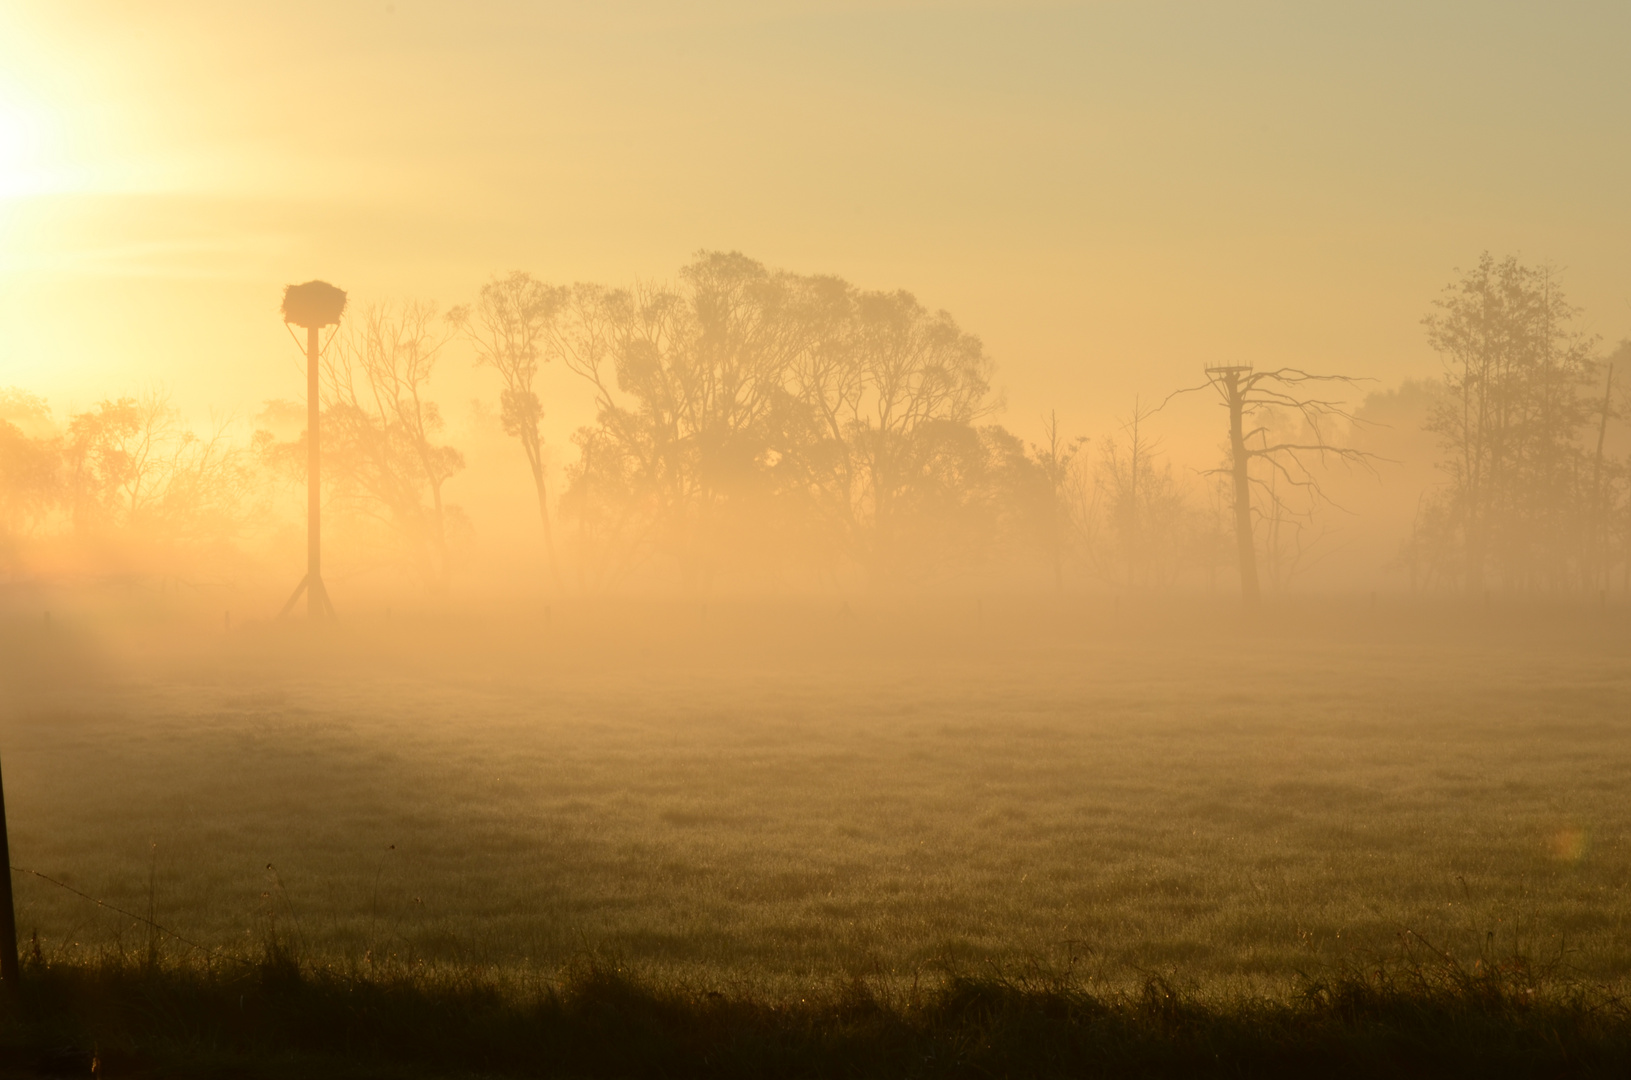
[(314, 481), (8, 913)]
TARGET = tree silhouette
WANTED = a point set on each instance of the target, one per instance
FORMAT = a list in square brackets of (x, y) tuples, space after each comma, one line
[(1055, 458), (1517, 374), (511, 330), (772, 415), (30, 461), (134, 468), (1252, 397), (1140, 525), (386, 458)]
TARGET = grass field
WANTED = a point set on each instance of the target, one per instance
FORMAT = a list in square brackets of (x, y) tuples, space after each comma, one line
[(770, 800)]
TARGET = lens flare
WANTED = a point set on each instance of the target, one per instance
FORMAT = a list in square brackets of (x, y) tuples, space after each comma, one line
[(1569, 844)]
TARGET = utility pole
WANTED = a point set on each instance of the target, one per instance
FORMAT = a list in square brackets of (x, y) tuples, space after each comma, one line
[(314, 305), (317, 604)]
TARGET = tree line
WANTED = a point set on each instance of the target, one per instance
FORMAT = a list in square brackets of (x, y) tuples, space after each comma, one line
[(1531, 498), (796, 431)]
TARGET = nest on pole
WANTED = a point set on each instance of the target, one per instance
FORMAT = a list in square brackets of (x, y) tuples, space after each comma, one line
[(314, 304)]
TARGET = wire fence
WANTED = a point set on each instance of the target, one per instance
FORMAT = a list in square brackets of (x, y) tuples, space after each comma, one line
[(165, 930)]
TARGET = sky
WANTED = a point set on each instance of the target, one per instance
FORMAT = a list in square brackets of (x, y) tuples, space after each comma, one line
[(1112, 195)]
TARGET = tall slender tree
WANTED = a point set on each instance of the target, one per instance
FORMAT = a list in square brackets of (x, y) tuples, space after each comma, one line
[(511, 331)]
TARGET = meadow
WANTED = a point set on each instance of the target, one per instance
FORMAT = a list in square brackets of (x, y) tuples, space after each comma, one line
[(772, 799)]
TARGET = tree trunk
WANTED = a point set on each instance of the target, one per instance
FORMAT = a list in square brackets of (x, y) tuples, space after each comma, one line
[(1058, 558), (1477, 552), (1599, 505), (535, 458), (1250, 593), (549, 532)]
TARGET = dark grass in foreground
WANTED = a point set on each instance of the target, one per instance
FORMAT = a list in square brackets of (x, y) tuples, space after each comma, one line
[(278, 1018)]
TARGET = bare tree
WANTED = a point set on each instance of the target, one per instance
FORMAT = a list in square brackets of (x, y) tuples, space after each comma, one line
[(1141, 524), (1251, 397), (512, 331), (133, 464), (1055, 457), (1291, 532), (387, 459)]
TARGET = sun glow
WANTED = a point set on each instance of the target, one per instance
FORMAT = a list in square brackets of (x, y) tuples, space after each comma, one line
[(24, 144)]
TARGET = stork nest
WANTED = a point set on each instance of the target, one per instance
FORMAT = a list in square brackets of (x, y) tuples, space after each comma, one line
[(314, 304)]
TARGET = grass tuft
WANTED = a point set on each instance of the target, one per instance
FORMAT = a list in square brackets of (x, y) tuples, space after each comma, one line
[(276, 1016)]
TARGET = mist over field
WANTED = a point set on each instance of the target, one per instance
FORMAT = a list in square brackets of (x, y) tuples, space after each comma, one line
[(762, 433), (899, 539), (776, 796)]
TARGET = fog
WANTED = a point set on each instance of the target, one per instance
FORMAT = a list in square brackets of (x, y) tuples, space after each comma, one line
[(760, 496), (756, 432), (911, 277)]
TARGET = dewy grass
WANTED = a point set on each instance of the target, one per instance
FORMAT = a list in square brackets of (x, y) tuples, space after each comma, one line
[(278, 1017), (772, 804)]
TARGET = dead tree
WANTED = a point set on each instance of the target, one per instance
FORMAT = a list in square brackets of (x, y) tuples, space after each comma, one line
[(1252, 397), (1056, 457)]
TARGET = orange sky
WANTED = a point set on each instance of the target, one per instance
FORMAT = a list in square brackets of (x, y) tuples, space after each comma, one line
[(1111, 194)]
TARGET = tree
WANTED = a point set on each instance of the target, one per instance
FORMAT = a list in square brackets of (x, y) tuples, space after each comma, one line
[(772, 415), (1055, 458), (386, 459), (1140, 525), (134, 467), (693, 416), (511, 330), (1598, 550), (1516, 372), (924, 384), (1289, 526), (30, 460), (1285, 461)]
